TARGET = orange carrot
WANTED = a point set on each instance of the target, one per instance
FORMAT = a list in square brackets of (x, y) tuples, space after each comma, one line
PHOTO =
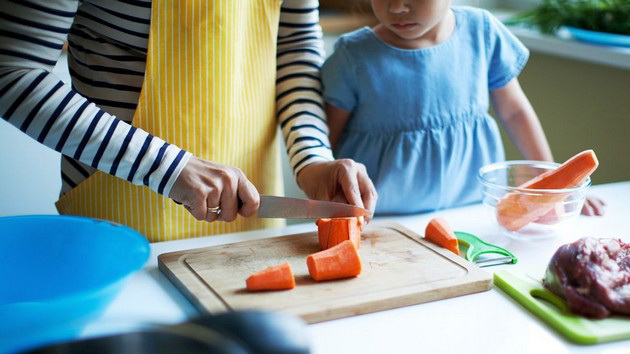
[(278, 277), (552, 217), (340, 261), (517, 210), (439, 232), (333, 231)]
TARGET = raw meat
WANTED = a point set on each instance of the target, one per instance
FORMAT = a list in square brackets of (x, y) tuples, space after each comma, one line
[(593, 275)]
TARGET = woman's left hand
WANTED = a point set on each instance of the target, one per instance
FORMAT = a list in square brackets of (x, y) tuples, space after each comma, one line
[(342, 181), (593, 206)]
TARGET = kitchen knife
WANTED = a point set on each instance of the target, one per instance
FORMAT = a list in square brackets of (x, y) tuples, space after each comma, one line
[(272, 206)]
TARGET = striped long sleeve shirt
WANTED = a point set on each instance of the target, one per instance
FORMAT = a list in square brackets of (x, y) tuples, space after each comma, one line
[(90, 121)]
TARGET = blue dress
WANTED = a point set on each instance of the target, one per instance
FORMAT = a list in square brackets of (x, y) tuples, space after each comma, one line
[(419, 119)]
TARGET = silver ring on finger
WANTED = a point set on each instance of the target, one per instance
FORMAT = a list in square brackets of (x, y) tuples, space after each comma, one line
[(216, 210)]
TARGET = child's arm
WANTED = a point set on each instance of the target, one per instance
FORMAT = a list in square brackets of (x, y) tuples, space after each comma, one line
[(521, 122), (337, 119), (522, 125)]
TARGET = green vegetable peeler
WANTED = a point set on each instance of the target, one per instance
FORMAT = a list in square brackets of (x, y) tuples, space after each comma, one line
[(477, 247)]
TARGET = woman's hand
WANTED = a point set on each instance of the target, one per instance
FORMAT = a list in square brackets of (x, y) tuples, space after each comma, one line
[(593, 206), (203, 184), (340, 181)]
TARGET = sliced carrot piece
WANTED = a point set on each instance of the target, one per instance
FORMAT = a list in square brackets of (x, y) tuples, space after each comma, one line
[(333, 231), (278, 277), (340, 261), (440, 233), (515, 211)]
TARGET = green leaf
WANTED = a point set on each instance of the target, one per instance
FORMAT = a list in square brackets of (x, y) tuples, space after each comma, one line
[(611, 16)]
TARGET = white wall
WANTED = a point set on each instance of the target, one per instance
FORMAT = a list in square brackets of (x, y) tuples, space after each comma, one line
[(29, 171)]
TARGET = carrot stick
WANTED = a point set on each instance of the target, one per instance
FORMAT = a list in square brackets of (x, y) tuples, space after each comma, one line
[(439, 232), (340, 261), (553, 216), (517, 210), (278, 277), (333, 231)]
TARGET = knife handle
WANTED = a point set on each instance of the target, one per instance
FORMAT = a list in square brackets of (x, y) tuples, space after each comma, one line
[(240, 203)]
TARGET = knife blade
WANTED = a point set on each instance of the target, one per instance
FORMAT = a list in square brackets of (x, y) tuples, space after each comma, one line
[(272, 206)]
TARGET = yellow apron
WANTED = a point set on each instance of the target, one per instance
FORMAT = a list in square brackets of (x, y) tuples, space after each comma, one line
[(209, 88)]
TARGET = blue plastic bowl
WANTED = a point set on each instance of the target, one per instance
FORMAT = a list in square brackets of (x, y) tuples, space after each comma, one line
[(610, 39), (59, 272)]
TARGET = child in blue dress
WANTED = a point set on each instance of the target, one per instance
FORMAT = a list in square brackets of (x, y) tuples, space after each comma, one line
[(409, 99)]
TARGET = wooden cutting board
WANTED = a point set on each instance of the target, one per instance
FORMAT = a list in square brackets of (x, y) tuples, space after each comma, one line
[(400, 268)]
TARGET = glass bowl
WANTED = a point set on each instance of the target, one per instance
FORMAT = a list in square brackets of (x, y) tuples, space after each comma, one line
[(525, 213)]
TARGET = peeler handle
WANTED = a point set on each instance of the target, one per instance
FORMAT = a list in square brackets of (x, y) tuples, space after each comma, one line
[(477, 247)]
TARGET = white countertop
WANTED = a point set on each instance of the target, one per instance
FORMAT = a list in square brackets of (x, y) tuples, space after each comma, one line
[(486, 322)]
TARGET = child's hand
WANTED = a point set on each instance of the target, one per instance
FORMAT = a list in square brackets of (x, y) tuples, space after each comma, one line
[(593, 206)]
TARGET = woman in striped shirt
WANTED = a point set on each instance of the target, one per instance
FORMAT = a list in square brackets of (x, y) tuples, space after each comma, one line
[(90, 121)]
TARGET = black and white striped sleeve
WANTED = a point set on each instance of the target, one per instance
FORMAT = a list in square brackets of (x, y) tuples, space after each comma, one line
[(38, 103), (298, 86)]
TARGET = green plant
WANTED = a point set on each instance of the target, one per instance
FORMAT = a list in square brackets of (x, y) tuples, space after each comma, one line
[(612, 16)]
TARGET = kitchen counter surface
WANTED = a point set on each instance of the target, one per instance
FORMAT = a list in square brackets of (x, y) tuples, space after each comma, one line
[(486, 322)]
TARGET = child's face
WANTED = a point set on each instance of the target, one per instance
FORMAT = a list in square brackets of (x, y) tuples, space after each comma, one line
[(410, 19)]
